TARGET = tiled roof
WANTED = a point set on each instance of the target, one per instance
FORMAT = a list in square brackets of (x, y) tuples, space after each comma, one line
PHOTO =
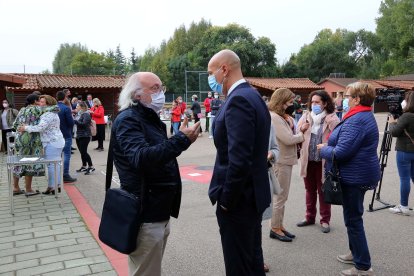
[(374, 83), (273, 84), (409, 77), (8, 79), (409, 85), (42, 81), (340, 81)]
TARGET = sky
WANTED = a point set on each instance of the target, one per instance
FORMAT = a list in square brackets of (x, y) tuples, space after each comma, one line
[(32, 31)]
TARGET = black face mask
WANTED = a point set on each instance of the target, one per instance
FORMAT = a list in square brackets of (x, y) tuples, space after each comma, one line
[(290, 109)]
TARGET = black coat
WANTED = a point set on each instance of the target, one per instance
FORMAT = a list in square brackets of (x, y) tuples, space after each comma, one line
[(143, 153), (83, 125)]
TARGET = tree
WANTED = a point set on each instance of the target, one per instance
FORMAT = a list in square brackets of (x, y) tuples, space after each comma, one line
[(92, 63), (64, 57), (328, 53), (395, 28), (133, 62), (120, 61)]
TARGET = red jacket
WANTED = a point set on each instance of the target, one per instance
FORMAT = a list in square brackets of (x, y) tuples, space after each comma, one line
[(207, 104), (176, 114), (183, 107), (98, 114)]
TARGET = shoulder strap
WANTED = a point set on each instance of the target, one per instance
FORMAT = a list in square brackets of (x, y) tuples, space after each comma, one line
[(406, 132), (110, 163)]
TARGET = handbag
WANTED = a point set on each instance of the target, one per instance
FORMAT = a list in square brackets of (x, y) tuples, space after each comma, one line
[(331, 187), (274, 182), (121, 214)]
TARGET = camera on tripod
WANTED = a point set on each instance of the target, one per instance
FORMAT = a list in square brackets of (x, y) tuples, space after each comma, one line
[(393, 98)]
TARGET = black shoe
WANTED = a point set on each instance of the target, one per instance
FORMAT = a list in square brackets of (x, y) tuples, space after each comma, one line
[(49, 191), (69, 179), (276, 236), (89, 170), (72, 148), (287, 234), (72, 152), (82, 169), (101, 149), (96, 148), (304, 223)]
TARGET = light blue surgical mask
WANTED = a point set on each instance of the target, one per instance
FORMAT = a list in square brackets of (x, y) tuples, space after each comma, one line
[(316, 108), (214, 85)]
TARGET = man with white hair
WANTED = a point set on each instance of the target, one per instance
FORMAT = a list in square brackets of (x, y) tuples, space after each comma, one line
[(144, 155)]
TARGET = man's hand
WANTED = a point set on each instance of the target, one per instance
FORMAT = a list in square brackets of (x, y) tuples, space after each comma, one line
[(191, 132)]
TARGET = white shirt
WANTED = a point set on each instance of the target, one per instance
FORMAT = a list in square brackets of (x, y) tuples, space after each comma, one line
[(235, 85), (49, 128)]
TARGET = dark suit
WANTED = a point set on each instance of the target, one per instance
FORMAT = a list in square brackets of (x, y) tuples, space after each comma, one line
[(240, 180), (89, 104)]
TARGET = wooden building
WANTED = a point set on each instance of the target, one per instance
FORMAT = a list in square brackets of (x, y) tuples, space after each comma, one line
[(299, 86), (105, 88)]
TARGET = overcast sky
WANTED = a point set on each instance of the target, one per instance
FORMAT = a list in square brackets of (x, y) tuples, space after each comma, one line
[(31, 31)]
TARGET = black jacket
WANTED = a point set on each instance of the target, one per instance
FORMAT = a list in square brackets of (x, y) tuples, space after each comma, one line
[(83, 125), (143, 153)]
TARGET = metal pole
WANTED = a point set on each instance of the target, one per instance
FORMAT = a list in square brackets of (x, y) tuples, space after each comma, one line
[(186, 87)]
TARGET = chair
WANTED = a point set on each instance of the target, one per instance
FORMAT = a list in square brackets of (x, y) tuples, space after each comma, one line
[(11, 136)]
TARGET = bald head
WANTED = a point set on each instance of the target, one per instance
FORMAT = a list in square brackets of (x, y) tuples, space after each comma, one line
[(226, 67), (147, 79), (227, 57)]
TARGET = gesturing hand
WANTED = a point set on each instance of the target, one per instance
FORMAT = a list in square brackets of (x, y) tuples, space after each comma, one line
[(192, 131)]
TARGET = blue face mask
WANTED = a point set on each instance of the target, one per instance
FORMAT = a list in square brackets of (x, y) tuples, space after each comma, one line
[(316, 108), (214, 85)]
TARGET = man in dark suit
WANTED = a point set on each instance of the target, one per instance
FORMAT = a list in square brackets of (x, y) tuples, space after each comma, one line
[(89, 101), (240, 183)]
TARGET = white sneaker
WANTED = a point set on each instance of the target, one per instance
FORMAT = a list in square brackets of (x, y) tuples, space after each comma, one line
[(356, 272), (401, 210), (210, 137)]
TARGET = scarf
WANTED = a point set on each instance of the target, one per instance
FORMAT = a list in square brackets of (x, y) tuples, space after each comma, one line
[(317, 120), (355, 110)]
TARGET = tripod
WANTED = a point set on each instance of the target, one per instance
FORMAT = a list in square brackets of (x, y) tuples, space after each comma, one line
[(385, 149)]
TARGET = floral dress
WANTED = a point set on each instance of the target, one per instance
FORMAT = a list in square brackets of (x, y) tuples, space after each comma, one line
[(28, 143)]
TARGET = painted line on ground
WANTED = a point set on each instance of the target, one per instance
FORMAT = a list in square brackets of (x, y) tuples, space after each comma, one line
[(118, 261)]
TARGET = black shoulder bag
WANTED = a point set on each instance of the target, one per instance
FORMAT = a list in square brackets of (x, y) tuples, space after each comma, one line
[(121, 215), (331, 187)]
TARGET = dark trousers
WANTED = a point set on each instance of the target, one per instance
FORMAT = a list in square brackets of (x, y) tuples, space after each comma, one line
[(4, 137), (207, 122), (353, 208), (313, 185), (100, 135), (241, 239), (82, 143), (196, 119)]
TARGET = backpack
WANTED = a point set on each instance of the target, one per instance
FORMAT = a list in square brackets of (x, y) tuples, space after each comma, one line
[(93, 128)]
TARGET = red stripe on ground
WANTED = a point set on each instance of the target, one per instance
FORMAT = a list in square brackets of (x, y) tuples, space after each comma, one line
[(118, 261), (204, 178)]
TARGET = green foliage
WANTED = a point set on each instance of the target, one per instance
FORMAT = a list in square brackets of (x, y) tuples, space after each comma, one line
[(92, 63), (395, 28), (64, 56)]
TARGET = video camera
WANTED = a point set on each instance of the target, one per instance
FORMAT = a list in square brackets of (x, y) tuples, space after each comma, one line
[(393, 98)]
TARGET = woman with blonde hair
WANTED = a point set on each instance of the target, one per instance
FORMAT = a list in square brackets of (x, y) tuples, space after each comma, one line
[(280, 107), (97, 111)]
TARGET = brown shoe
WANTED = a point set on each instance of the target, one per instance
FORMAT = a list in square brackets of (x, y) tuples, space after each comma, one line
[(346, 259)]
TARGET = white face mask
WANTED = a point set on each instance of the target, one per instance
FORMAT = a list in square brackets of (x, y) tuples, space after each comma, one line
[(216, 96), (5, 105), (157, 101)]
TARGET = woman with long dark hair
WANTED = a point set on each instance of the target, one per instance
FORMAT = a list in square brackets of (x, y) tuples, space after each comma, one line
[(83, 137)]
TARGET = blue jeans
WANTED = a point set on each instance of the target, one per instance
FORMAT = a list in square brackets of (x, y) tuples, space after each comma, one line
[(353, 209), (53, 153), (66, 156), (176, 126), (405, 165), (297, 117), (211, 125)]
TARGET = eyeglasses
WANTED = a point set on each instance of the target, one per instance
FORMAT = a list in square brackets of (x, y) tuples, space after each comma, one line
[(157, 88)]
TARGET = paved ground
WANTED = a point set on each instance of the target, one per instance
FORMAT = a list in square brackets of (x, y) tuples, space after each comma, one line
[(194, 244)]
